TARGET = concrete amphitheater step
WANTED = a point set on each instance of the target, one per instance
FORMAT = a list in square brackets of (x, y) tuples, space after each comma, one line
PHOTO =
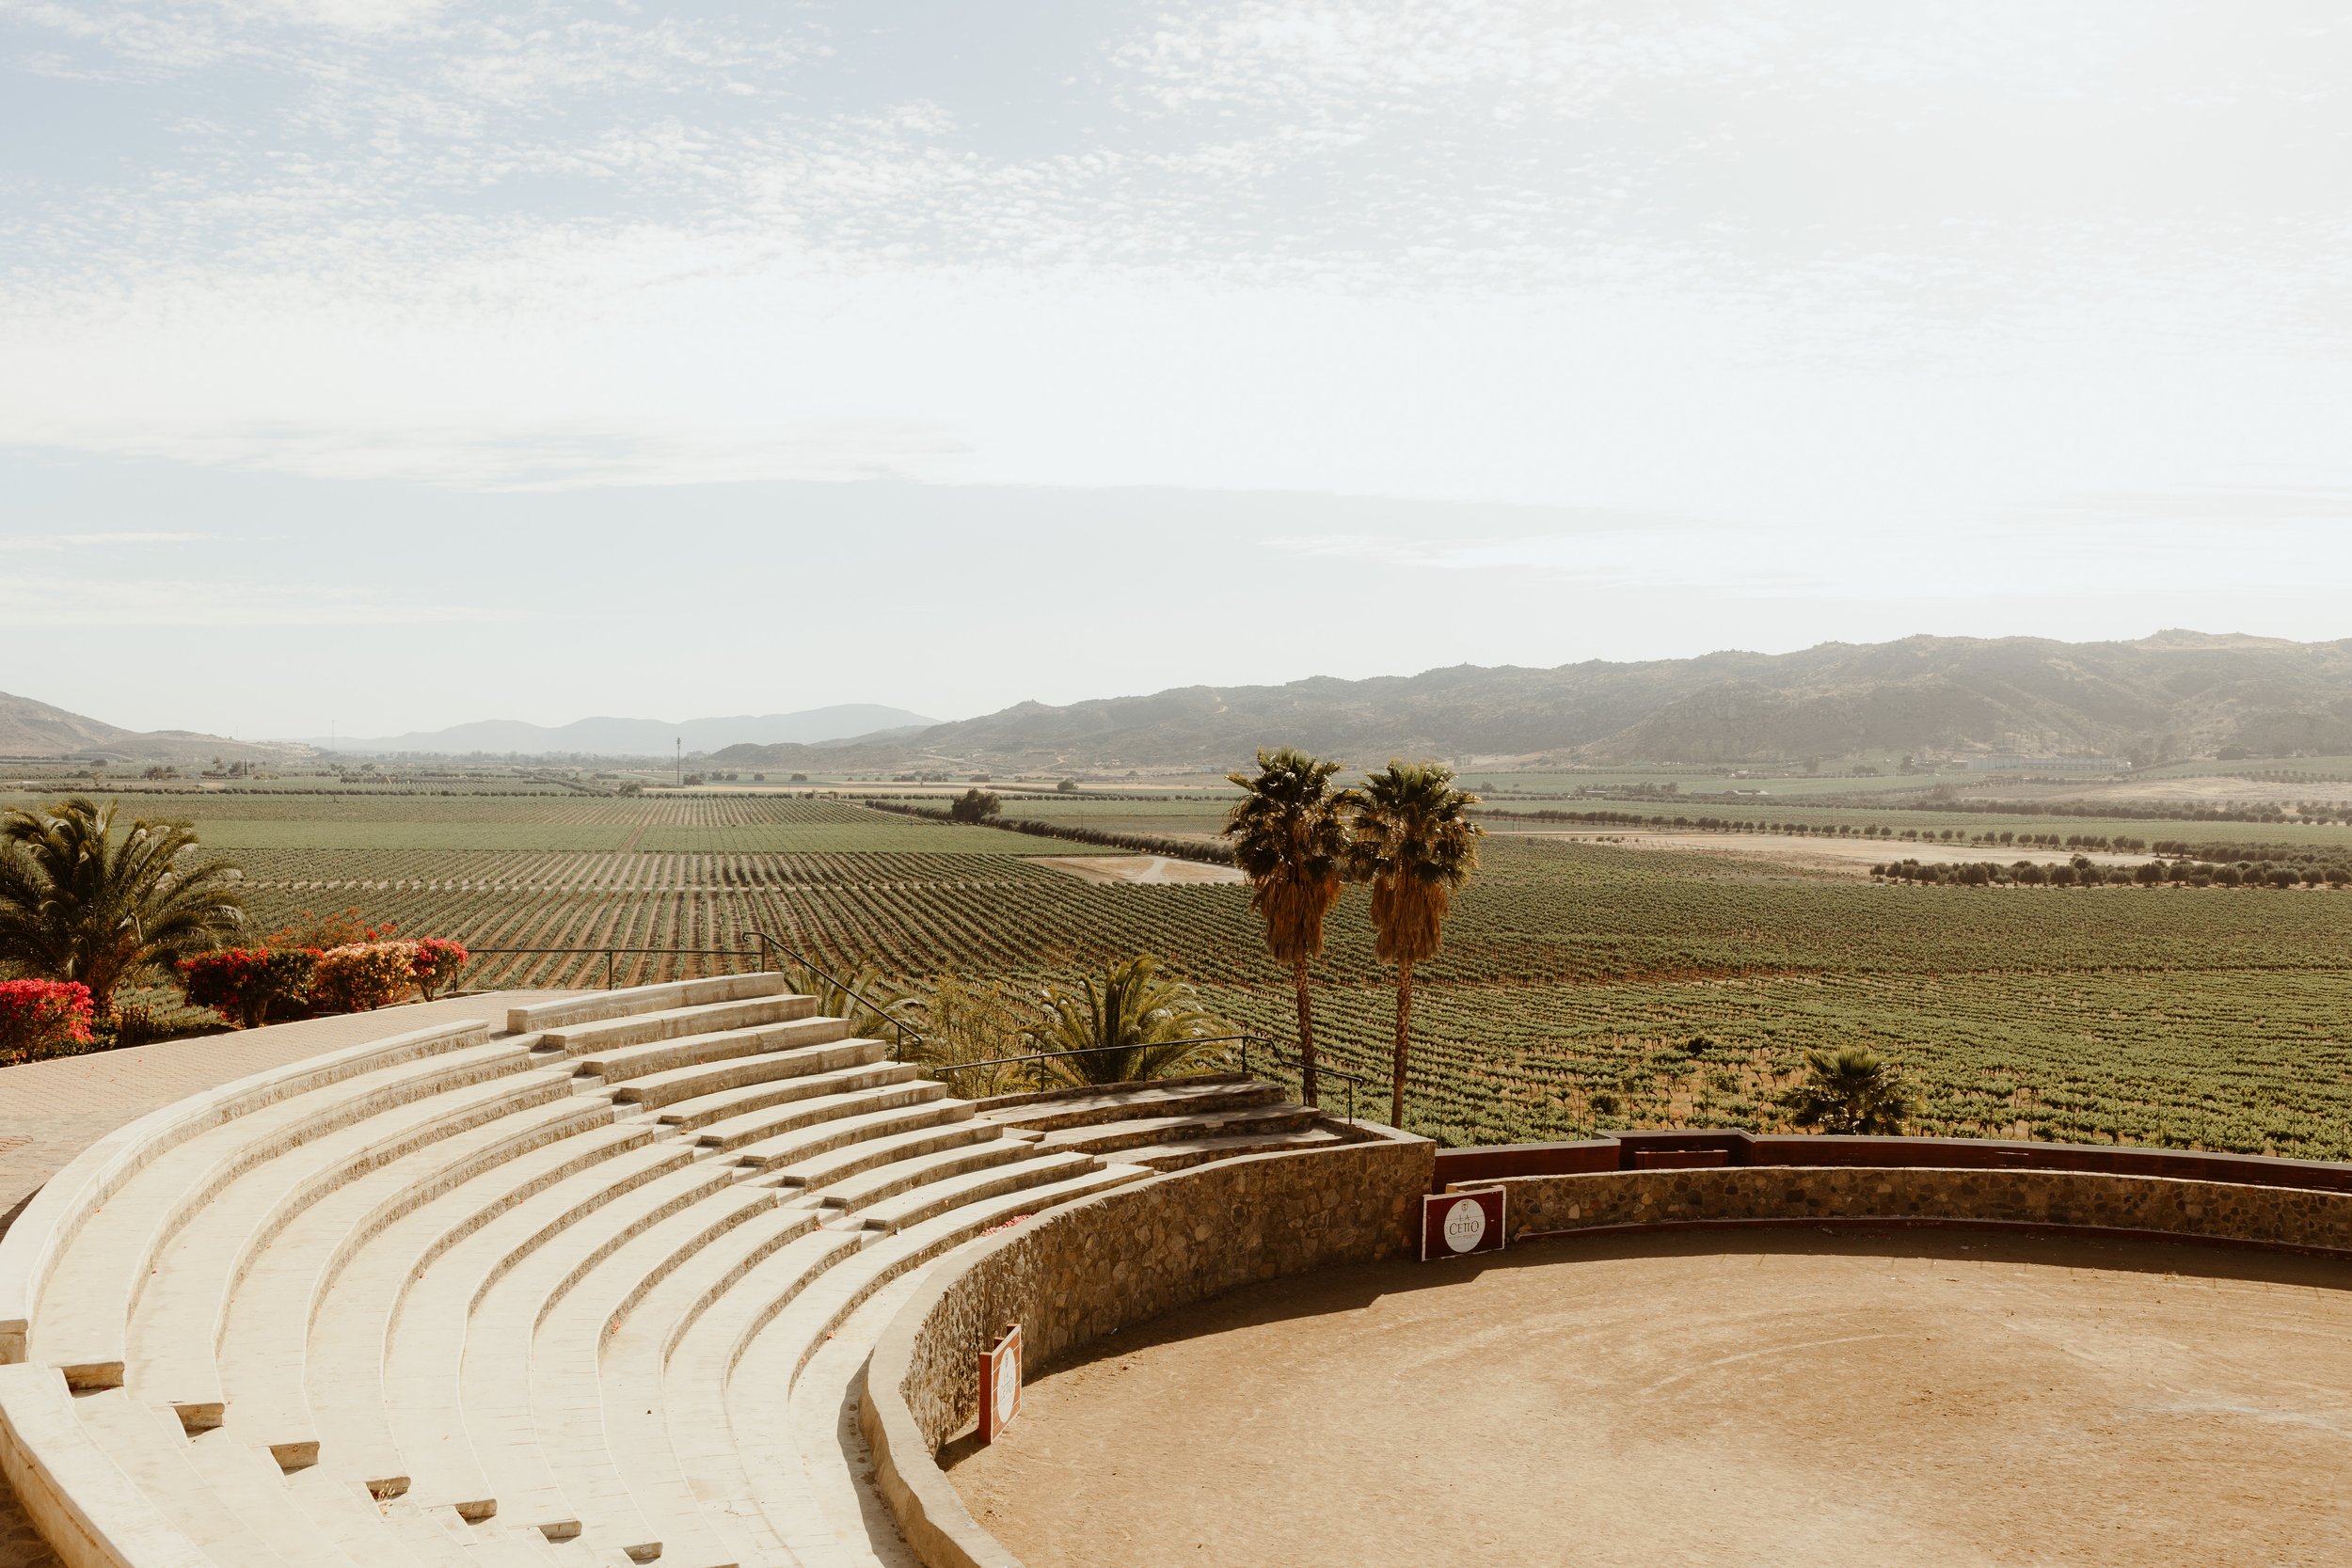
[(1135, 1132), (653, 1090), (823, 1171), (632, 1000), (112, 1257), (785, 1149), (607, 1036), (1057, 1110), (755, 1128), (262, 1368), (411, 1289), (771, 1349), (181, 1317), (458, 1386), (1184, 1153), (431, 1304), (817, 1077), (621, 1064)]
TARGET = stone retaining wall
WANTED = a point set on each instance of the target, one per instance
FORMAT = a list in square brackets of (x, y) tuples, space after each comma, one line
[(2154, 1206), (1074, 1275)]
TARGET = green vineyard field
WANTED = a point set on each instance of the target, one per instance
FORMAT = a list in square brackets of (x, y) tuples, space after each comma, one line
[(1581, 986)]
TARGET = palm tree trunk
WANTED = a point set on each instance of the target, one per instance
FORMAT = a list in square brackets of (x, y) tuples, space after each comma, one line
[(1403, 1035), (1306, 1034)]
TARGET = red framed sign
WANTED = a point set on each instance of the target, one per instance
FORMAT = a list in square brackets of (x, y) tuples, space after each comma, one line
[(1000, 1383), (1454, 1225)]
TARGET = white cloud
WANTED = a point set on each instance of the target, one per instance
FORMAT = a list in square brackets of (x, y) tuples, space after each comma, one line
[(30, 600)]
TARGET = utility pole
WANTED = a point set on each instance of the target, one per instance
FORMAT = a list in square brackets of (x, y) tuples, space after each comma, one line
[(677, 773)]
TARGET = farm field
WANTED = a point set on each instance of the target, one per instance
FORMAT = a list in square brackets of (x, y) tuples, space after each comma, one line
[(1581, 986)]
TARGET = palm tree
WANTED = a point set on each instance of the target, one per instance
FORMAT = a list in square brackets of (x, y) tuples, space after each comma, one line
[(1290, 839), (1128, 1022), (1413, 841), (78, 903), (1850, 1090)]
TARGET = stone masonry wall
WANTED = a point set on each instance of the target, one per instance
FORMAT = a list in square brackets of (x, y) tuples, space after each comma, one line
[(1074, 1275), (2274, 1216)]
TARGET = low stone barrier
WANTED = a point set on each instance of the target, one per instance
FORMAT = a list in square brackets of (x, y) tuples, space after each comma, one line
[(1074, 1275), (2309, 1219)]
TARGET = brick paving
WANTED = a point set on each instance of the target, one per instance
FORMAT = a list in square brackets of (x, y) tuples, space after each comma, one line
[(50, 1111)]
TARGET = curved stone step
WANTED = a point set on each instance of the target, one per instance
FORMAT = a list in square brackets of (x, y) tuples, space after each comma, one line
[(176, 1326), (628, 1063), (755, 1127), (112, 1258), (722, 1104), (1057, 1109), (262, 1367), (631, 999), (688, 1080), (416, 1289), (606, 1036)]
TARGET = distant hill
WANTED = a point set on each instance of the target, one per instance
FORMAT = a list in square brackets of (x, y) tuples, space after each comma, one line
[(2178, 693), (642, 738), (31, 729)]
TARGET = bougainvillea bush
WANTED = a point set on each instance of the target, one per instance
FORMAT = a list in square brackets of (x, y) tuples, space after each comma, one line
[(245, 985), (42, 1018), (364, 975), (437, 963)]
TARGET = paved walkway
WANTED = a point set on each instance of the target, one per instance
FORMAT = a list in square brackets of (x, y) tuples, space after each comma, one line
[(51, 1111)]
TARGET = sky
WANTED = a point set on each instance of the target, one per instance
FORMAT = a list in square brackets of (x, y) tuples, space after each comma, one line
[(384, 364)]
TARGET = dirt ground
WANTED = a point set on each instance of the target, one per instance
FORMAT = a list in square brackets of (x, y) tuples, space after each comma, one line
[(1139, 868), (1850, 1400), (1853, 855)]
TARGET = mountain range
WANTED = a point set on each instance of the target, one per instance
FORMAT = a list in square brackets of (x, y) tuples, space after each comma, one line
[(2177, 694), (32, 729), (641, 738)]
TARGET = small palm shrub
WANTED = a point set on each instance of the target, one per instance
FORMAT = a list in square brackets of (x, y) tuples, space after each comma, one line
[(1130, 1023), (1850, 1090)]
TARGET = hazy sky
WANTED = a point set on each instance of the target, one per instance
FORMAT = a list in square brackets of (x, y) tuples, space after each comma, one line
[(395, 362)]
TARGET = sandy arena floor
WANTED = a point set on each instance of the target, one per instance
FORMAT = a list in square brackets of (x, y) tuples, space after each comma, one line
[(1865, 1397)]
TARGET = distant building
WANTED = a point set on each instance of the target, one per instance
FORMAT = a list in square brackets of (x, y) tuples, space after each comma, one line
[(2048, 765)]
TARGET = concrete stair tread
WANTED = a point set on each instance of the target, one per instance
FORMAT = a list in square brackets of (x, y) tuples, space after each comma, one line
[(561, 1406), (259, 1363), (1133, 1132), (918, 1167), (180, 1319), (652, 1057), (722, 1104), (789, 1148), (731, 1133), (607, 1036), (690, 1080), (1219, 1092), (776, 1350), (629, 1000), (821, 1171), (432, 1264), (1184, 1153), (151, 1450), (110, 1260), (424, 1378), (934, 1198)]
